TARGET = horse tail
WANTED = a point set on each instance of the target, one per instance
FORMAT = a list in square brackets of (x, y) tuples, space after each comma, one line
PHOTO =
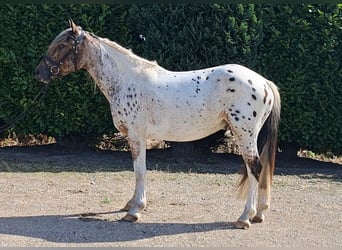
[(267, 139), (267, 146)]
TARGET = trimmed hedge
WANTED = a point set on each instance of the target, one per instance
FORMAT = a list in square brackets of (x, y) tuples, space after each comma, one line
[(186, 37), (296, 46), (302, 52)]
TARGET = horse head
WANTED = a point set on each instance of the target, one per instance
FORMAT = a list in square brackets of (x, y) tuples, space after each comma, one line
[(63, 55)]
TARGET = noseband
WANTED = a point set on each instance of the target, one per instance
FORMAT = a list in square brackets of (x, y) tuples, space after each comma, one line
[(54, 66)]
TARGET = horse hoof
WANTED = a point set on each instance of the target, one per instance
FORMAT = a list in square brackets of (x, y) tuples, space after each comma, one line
[(242, 224), (130, 218), (257, 219)]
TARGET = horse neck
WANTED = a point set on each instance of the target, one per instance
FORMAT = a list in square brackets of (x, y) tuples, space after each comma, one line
[(106, 62)]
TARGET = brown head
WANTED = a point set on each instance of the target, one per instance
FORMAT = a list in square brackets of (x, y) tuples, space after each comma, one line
[(63, 55)]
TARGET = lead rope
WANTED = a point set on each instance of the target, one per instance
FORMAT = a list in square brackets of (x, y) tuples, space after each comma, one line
[(28, 109)]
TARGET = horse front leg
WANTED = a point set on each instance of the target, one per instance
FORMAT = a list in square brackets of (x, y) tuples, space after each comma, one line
[(138, 202)]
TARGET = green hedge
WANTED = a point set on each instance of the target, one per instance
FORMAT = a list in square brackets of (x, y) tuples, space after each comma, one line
[(186, 37), (302, 53), (296, 46)]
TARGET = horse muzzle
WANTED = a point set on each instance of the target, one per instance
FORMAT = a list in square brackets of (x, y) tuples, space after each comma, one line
[(42, 74)]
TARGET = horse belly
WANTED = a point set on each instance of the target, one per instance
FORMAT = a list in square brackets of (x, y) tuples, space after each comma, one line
[(186, 129)]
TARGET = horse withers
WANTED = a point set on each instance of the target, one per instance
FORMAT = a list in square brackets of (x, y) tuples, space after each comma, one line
[(150, 102)]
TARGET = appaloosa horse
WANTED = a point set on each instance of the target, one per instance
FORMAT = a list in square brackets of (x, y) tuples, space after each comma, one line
[(150, 102)]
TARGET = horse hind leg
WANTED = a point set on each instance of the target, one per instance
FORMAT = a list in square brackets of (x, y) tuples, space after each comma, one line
[(254, 186), (248, 190), (264, 191)]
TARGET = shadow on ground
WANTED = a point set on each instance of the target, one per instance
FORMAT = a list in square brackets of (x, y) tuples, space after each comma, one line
[(50, 158), (73, 229)]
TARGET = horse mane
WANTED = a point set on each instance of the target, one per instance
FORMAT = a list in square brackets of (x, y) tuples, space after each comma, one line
[(127, 52)]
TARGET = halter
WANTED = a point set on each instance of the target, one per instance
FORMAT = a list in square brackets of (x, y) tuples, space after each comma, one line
[(53, 65)]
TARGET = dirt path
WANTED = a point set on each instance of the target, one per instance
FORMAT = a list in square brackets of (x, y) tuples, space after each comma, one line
[(58, 198)]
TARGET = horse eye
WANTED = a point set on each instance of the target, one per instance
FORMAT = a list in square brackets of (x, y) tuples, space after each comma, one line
[(61, 46)]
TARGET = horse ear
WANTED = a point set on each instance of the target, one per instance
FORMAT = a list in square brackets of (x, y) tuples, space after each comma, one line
[(73, 26)]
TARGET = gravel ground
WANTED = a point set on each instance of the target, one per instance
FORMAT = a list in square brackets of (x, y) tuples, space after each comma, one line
[(63, 198)]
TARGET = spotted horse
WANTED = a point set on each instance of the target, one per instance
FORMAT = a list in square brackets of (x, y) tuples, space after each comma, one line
[(151, 102)]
